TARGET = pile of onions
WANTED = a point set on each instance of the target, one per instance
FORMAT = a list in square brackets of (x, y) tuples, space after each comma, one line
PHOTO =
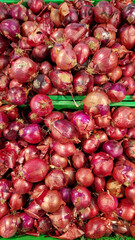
[(67, 174)]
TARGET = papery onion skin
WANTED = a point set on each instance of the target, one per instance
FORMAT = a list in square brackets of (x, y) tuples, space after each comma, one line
[(113, 148), (127, 36), (55, 179), (102, 11), (64, 150), (115, 188), (126, 209), (66, 59), (10, 28), (128, 13)]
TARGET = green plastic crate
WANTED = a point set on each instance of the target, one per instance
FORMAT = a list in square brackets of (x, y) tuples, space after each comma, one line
[(66, 102)]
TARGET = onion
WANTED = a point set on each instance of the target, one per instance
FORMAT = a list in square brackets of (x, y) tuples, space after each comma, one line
[(113, 148), (129, 145), (102, 164), (90, 145), (105, 33), (124, 117), (26, 222), (102, 11), (126, 209), (79, 159), (128, 13), (127, 36), (58, 161), (3, 44), (3, 209), (132, 228), (98, 184), (19, 12), (55, 180), (66, 59), (9, 225), (43, 225), (75, 32), (61, 218), (64, 131), (41, 104), (116, 92), (95, 228), (64, 150), (24, 69), (83, 82), (96, 102), (103, 61), (66, 195), (107, 202), (32, 133), (130, 193), (16, 201), (116, 133), (35, 170), (52, 117), (84, 177), (36, 5), (80, 197), (82, 52), (34, 210), (124, 172), (50, 201), (10, 28), (40, 52)]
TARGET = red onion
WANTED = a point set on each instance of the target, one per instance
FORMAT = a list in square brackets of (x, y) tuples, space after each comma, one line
[(50, 201), (19, 12), (4, 60), (128, 13), (64, 131), (3, 209), (62, 80), (9, 225), (66, 195), (124, 117), (113, 148), (129, 148), (131, 132), (101, 136), (115, 75), (70, 175), (132, 228), (55, 180), (52, 117), (34, 210), (41, 104), (61, 218), (96, 102), (64, 150), (102, 11), (127, 36), (16, 201), (130, 193), (45, 67), (82, 52), (3, 121), (116, 92), (79, 159), (93, 44), (58, 161), (42, 84), (36, 5), (124, 172), (128, 70), (66, 59), (80, 197), (105, 33), (102, 164), (43, 225), (115, 132), (75, 32), (10, 28), (100, 79), (35, 170), (90, 145), (28, 27), (126, 209), (98, 184), (107, 202), (24, 69), (103, 61), (129, 85), (38, 189), (84, 177), (26, 222), (3, 44), (3, 11), (40, 52), (32, 133), (83, 122), (95, 228), (83, 82)]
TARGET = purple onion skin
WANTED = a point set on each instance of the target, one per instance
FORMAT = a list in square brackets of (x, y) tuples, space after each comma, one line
[(102, 12), (17, 96), (113, 148), (128, 13), (32, 133), (10, 28), (3, 44), (3, 11), (66, 195), (27, 222), (116, 92), (19, 12), (131, 132)]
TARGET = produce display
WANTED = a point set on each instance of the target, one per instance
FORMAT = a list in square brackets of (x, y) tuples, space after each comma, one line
[(67, 174)]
